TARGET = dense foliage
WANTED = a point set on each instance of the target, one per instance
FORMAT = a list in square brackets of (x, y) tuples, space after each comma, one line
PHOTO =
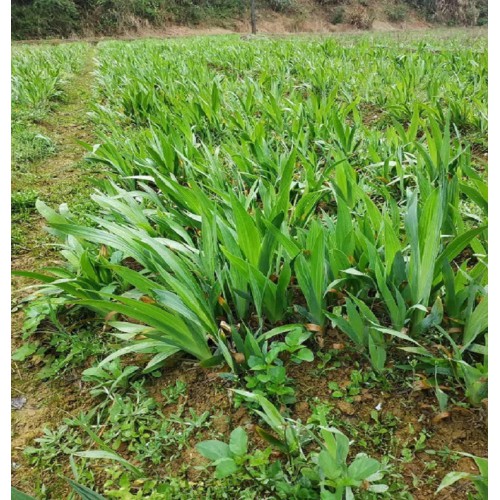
[(262, 195), (307, 196), (62, 18)]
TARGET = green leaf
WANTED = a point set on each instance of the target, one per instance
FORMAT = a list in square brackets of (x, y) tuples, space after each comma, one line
[(225, 468), (25, 351), (238, 442), (378, 488), (397, 334), (213, 449), (429, 243), (363, 467), (142, 345), (451, 478), (455, 247), (377, 350), (272, 440), (84, 492), (281, 329), (173, 329), (248, 235), (476, 323), (304, 354), (19, 495), (109, 455), (327, 463)]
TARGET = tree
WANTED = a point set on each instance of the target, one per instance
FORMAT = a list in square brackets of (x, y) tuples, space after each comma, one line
[(253, 19)]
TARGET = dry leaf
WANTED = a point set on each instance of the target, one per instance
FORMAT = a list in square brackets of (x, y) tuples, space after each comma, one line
[(314, 328), (421, 385), (426, 406), (238, 357), (103, 252), (110, 315), (440, 416), (133, 320), (225, 326)]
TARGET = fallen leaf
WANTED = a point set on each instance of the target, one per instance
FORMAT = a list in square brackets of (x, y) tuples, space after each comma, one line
[(421, 385), (103, 252), (133, 320), (440, 416), (426, 406), (238, 357), (225, 326), (314, 328), (461, 409), (110, 315), (320, 341)]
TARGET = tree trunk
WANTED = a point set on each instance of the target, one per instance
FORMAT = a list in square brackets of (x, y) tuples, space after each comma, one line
[(253, 19)]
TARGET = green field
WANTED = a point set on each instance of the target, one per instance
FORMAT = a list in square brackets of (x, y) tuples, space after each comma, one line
[(269, 275)]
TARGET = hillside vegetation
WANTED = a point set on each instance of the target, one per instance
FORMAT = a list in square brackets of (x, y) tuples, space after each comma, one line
[(64, 18)]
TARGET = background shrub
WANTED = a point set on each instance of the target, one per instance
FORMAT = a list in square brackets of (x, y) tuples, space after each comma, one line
[(282, 5), (44, 18), (396, 13), (62, 18), (338, 14), (482, 18), (359, 16)]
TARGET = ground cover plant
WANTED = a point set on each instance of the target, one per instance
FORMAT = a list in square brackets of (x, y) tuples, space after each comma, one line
[(288, 231)]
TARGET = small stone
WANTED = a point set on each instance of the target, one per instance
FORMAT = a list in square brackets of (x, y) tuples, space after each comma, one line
[(17, 403)]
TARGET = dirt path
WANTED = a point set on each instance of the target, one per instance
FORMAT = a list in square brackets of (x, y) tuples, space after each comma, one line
[(59, 178)]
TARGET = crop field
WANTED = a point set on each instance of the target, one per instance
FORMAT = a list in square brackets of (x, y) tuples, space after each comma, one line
[(264, 268)]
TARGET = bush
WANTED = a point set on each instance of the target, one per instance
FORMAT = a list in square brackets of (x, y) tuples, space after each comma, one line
[(282, 5), (338, 14), (426, 7), (44, 18), (457, 12), (196, 11), (396, 13), (482, 7), (359, 16)]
